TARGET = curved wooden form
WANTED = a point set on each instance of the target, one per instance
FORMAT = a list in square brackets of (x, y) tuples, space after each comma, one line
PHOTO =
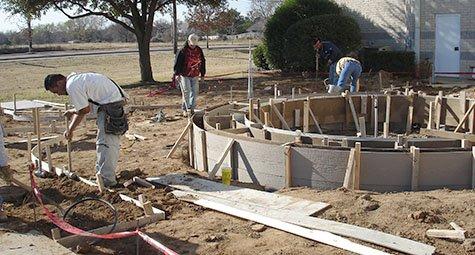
[(320, 160)]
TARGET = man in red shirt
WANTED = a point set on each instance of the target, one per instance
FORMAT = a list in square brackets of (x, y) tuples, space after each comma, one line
[(190, 63)]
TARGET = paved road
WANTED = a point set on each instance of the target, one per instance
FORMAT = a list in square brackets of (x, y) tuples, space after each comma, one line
[(61, 54)]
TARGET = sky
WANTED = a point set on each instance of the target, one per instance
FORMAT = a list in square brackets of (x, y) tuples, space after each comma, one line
[(15, 23)]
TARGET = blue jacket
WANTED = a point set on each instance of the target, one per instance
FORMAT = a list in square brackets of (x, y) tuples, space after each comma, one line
[(330, 52)]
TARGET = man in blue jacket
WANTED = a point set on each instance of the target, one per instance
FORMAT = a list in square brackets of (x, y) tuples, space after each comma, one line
[(331, 53)]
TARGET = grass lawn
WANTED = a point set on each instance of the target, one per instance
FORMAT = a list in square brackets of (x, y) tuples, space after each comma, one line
[(25, 78)]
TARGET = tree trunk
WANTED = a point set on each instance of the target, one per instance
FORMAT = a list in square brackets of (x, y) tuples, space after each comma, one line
[(30, 35), (146, 74)]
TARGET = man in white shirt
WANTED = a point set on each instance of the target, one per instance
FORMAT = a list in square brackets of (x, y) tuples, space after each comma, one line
[(4, 170), (95, 92)]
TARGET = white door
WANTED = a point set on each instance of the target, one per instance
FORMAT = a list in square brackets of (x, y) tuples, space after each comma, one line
[(447, 44)]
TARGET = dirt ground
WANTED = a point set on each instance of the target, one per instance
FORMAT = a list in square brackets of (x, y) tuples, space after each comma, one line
[(191, 229)]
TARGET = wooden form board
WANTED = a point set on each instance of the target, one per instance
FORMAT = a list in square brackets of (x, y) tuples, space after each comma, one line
[(347, 230), (316, 235), (447, 134), (238, 194)]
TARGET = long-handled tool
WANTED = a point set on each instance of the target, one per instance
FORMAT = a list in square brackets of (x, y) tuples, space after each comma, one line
[(68, 142)]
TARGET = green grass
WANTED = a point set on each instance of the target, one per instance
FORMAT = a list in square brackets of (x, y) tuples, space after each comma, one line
[(25, 78)]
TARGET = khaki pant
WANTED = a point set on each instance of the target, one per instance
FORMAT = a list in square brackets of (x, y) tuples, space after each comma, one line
[(107, 149)]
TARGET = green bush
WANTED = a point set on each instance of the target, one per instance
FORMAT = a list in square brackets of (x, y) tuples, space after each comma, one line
[(299, 53), (290, 12), (391, 61), (259, 58)]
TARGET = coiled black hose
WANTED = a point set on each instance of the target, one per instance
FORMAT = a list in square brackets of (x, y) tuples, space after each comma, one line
[(94, 199)]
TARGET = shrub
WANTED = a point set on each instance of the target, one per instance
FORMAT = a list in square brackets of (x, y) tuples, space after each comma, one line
[(259, 58), (290, 12), (299, 53), (391, 61)]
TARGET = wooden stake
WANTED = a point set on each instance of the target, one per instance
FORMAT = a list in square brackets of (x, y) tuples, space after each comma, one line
[(288, 166), (281, 118), (385, 130), (430, 122), (48, 156), (38, 136), (415, 168), (380, 80), (364, 105), (349, 169), (29, 147), (33, 114), (440, 98), (375, 115), (204, 151), (362, 122), (266, 119), (463, 103), (251, 110), (182, 135), (306, 113), (68, 142), (191, 146), (410, 114), (388, 109), (100, 183), (357, 170), (297, 118)]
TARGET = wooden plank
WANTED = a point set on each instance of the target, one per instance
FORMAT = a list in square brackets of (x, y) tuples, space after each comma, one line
[(281, 118), (216, 167), (266, 119), (371, 236), (143, 182), (465, 117), (239, 194), (446, 234), (182, 135), (38, 135), (447, 134), (306, 115), (415, 168), (349, 170), (48, 158), (312, 234), (55, 234), (357, 169), (72, 241), (160, 213), (288, 166), (315, 120), (191, 146), (28, 145), (251, 109)]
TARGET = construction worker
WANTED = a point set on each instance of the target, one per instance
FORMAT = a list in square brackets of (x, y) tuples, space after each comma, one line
[(189, 64), (5, 172), (93, 92), (330, 53), (347, 68)]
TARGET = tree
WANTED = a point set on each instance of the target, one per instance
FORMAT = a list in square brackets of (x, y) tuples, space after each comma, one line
[(135, 16), (207, 18), (28, 10), (234, 23), (263, 9)]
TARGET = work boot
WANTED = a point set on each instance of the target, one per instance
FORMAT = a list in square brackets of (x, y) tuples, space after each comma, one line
[(43, 174)]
